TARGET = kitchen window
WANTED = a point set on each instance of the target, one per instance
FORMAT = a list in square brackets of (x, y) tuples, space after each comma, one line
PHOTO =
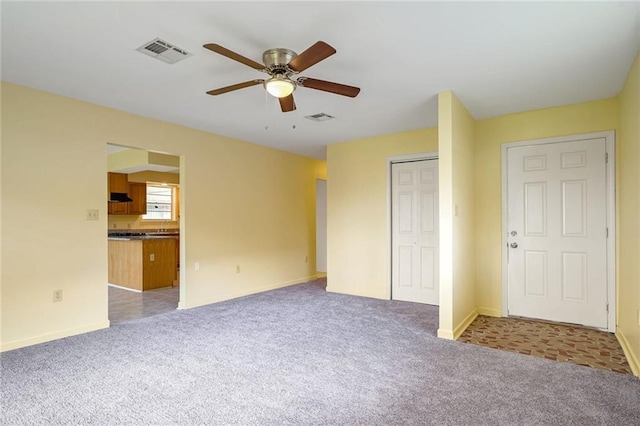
[(160, 202)]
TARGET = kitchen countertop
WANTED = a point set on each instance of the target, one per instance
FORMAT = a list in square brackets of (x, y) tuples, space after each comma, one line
[(146, 236), (143, 237)]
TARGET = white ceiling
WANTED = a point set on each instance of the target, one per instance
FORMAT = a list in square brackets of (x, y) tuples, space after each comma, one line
[(499, 58)]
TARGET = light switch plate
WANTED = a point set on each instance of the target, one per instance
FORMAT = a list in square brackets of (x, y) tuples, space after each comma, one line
[(93, 214)]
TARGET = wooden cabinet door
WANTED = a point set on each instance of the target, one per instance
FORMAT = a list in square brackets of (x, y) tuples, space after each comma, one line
[(117, 183), (138, 193), (117, 208)]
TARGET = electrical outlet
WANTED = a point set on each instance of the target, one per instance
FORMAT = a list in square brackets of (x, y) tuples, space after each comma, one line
[(93, 214), (57, 295), (237, 269), (196, 266), (306, 259), (152, 257)]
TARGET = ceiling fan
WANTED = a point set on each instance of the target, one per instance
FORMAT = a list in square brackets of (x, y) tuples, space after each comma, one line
[(282, 65)]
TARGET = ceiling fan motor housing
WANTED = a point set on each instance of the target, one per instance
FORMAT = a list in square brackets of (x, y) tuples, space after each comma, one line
[(276, 60)]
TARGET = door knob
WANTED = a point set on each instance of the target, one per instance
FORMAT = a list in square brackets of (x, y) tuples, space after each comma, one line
[(513, 233), (513, 245)]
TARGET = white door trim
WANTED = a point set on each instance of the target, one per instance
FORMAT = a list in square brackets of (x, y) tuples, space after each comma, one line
[(321, 225), (403, 158), (609, 137)]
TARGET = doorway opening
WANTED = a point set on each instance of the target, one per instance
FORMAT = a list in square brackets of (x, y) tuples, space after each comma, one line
[(143, 232), (414, 228)]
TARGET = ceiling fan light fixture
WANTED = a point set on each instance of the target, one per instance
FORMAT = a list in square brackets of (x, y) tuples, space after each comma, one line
[(279, 87)]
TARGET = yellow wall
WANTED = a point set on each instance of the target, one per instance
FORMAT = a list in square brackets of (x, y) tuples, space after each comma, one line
[(456, 142), (628, 157), (152, 176), (490, 134), (242, 204), (120, 160), (358, 246), (129, 158)]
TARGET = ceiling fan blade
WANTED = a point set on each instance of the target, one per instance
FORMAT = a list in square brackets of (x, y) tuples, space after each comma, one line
[(287, 104), (233, 87), (233, 55), (311, 56), (327, 86)]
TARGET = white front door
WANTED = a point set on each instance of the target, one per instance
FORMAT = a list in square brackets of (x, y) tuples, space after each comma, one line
[(557, 225), (414, 215)]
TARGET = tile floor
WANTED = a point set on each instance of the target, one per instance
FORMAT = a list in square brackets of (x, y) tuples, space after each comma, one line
[(559, 342), (126, 305)]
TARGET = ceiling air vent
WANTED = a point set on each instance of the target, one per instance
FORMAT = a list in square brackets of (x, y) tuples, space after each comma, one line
[(320, 117), (166, 52)]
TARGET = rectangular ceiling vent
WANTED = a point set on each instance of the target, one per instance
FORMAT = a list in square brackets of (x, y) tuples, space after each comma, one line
[(320, 117), (166, 52)]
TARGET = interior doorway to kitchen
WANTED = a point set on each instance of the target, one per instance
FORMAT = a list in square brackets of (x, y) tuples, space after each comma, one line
[(143, 191)]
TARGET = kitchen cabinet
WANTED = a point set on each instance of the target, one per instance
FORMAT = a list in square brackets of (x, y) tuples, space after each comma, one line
[(117, 182), (143, 263), (138, 193), (177, 253)]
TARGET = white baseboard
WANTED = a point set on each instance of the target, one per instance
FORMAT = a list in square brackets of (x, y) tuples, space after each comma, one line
[(460, 328), (354, 293), (632, 358), (16, 344), (237, 294), (464, 324), (490, 312), (125, 288), (445, 334)]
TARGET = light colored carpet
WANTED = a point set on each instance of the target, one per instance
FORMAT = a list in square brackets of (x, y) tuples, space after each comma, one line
[(300, 356)]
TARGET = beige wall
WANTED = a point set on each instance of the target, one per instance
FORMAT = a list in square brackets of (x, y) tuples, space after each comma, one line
[(242, 204), (456, 143), (490, 134), (120, 160), (358, 246), (152, 176), (628, 157)]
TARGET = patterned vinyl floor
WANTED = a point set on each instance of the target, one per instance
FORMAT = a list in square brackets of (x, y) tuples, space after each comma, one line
[(558, 342)]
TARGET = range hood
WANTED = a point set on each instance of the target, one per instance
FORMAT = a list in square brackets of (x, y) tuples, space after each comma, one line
[(119, 197)]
